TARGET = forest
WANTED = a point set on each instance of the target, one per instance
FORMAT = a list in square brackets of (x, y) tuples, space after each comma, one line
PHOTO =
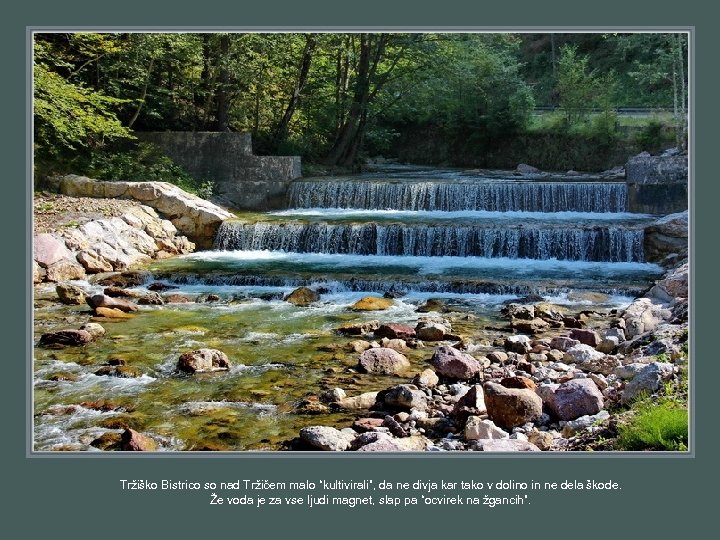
[(456, 99)]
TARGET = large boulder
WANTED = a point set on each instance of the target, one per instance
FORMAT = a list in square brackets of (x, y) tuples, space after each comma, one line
[(510, 407), (648, 380), (431, 331), (383, 361), (582, 354), (49, 249), (673, 285), (477, 428), (520, 344), (64, 270), (450, 362), (576, 398), (586, 337), (203, 360), (668, 235)]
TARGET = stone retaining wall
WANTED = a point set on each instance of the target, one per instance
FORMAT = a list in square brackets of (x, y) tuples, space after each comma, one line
[(243, 180), (657, 184)]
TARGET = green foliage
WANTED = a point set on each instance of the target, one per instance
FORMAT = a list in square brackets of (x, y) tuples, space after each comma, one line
[(653, 136), (68, 117), (660, 427), (145, 162)]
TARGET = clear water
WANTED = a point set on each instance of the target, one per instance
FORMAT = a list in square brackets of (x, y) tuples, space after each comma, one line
[(281, 353)]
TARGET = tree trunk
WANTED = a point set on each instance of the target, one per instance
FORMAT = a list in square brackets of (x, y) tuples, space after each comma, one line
[(222, 98), (281, 131), (143, 94)]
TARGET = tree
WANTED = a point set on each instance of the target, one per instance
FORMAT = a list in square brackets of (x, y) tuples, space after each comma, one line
[(579, 88), (69, 118)]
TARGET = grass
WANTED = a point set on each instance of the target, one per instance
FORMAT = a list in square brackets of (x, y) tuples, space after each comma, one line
[(656, 427), (549, 120)]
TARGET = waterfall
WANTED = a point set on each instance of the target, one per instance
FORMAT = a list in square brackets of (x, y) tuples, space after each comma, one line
[(506, 196), (611, 243)]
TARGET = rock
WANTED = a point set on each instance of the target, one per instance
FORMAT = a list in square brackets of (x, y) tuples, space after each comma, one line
[(372, 303), (202, 360), (357, 346), (542, 439), (383, 361), (518, 382), (71, 295), (510, 407), (505, 445), (498, 357), (112, 313), (123, 280), (519, 344), (609, 345), (94, 329), (549, 312), (524, 168), (628, 371), (575, 398), (103, 301), (470, 403), (368, 437), (644, 316), (194, 217), (64, 270), (599, 380), (49, 249), (177, 299), (302, 296), (333, 395), (673, 285), (38, 273), (107, 441), (432, 304), (519, 311), (395, 427), (437, 427), (477, 428), (358, 329), (604, 365), (160, 287), (426, 379), (404, 396), (648, 380), (533, 326), (132, 441), (668, 235), (62, 338), (587, 337), (142, 298), (573, 427), (582, 354), (325, 438), (395, 331), (431, 331), (455, 364), (122, 372), (151, 299), (94, 262), (386, 444), (363, 401), (395, 344), (364, 425)]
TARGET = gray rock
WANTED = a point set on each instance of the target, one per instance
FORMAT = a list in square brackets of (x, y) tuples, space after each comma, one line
[(563, 343), (64, 270), (334, 395), (383, 361), (520, 344), (582, 354), (575, 398), (94, 329), (326, 438), (363, 401), (404, 396), (430, 331), (524, 168), (477, 428), (609, 344), (585, 336), (628, 371), (648, 380), (104, 301), (63, 338), (202, 360), (519, 311), (573, 427), (48, 249), (358, 329), (450, 362)]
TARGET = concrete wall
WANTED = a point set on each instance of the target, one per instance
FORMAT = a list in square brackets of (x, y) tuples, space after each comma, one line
[(657, 184), (243, 180)]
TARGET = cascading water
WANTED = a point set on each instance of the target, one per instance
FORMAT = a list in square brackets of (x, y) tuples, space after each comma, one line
[(474, 242)]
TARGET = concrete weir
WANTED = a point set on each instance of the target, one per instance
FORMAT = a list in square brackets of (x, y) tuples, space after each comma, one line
[(243, 180)]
